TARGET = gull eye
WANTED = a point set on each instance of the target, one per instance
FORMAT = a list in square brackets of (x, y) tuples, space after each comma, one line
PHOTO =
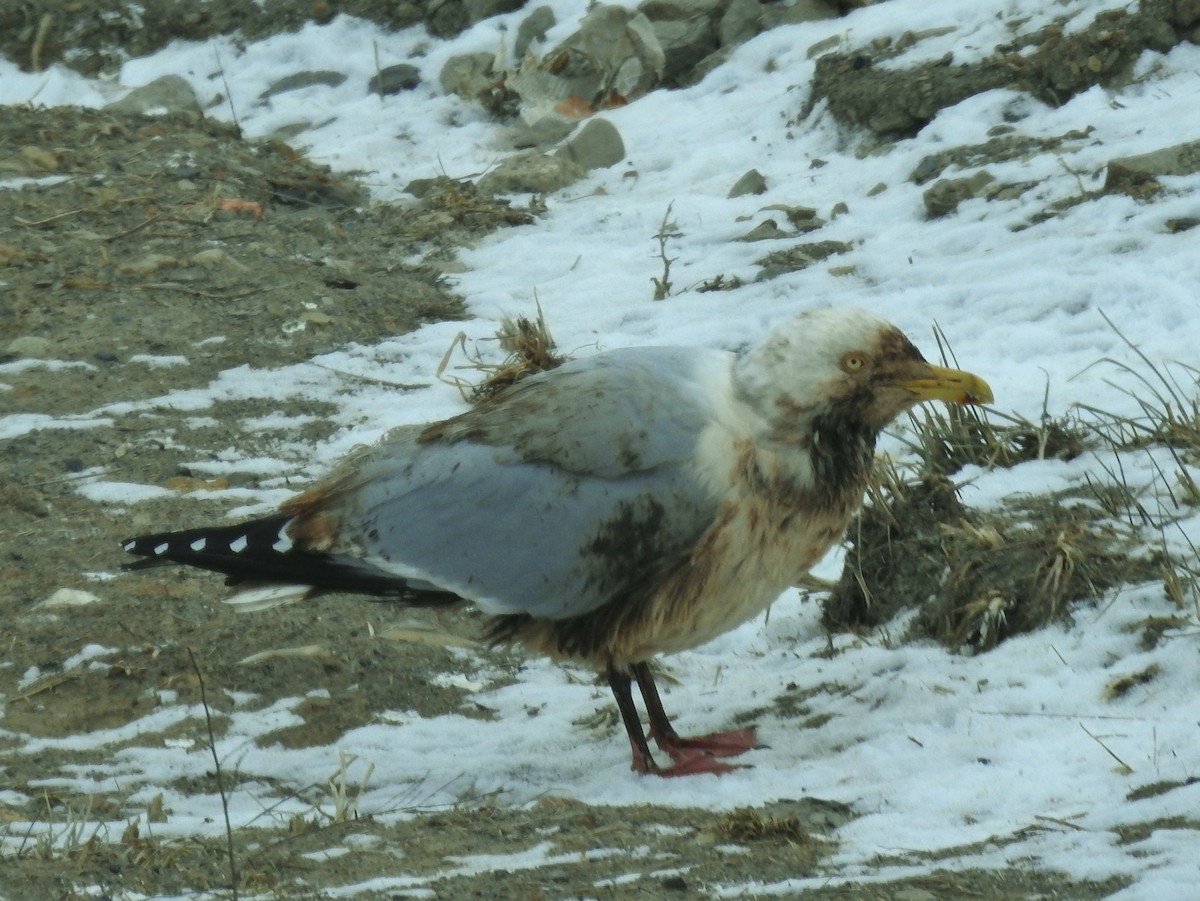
[(854, 361)]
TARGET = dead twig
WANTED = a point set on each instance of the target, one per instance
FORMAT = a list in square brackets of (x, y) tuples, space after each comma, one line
[(212, 747), (667, 230)]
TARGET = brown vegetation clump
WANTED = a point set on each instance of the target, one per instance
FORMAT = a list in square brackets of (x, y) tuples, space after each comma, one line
[(976, 577)]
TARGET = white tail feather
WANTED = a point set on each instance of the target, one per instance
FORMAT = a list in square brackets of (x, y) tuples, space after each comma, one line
[(252, 600)]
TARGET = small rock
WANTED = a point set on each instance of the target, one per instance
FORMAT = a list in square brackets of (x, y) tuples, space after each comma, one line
[(767, 230), (801, 218), (169, 94), (446, 18), (797, 257), (750, 183), (597, 145), (1129, 172), (945, 194), (531, 173), (687, 36), (742, 21), (299, 80), (541, 134), (468, 75), (533, 29), (1181, 224), (394, 79), (31, 347)]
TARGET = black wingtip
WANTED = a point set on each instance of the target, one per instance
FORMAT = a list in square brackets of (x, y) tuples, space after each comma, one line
[(228, 549), (260, 551)]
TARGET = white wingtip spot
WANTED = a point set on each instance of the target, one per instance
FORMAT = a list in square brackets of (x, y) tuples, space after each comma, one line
[(199, 544), (238, 544), (283, 543), (160, 549), (128, 544)]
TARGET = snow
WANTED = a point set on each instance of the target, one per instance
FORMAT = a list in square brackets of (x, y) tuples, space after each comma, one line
[(932, 750)]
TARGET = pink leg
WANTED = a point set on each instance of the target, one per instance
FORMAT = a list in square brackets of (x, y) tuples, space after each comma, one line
[(718, 744), (686, 762)]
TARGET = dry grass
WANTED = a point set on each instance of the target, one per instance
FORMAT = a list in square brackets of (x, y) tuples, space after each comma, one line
[(530, 348), (979, 576), (746, 824), (947, 438)]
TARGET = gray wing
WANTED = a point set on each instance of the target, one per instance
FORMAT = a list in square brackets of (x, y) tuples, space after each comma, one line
[(574, 488)]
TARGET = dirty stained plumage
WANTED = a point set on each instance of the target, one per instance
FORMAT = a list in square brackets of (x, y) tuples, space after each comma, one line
[(637, 502)]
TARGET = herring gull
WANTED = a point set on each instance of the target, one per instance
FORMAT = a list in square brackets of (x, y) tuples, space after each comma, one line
[(637, 502)]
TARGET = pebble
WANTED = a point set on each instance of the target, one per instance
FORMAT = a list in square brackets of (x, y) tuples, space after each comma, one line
[(533, 29), (31, 347), (597, 145), (299, 80), (394, 79), (169, 94), (767, 230), (752, 182), (531, 173)]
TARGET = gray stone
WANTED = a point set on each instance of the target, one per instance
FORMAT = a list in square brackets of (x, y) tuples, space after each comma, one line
[(394, 79), (684, 42), (299, 80), (531, 173), (468, 75), (446, 18), (597, 145), (945, 194), (31, 347), (169, 94), (533, 29), (542, 134), (767, 230), (801, 218), (750, 183), (1181, 159), (742, 21)]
